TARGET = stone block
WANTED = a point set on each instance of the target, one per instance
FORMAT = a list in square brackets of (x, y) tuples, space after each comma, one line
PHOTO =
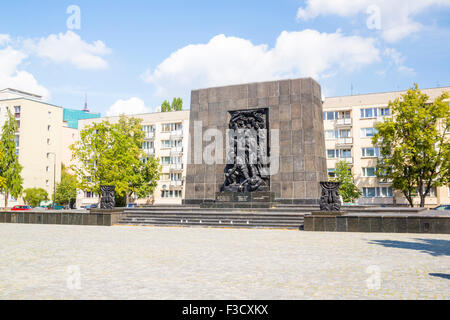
[(388, 224), (375, 224), (341, 224), (319, 224), (330, 224), (308, 223), (299, 189), (286, 189), (352, 224), (401, 225), (363, 224)]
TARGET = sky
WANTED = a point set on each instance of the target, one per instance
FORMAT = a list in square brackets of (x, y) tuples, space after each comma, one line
[(130, 56)]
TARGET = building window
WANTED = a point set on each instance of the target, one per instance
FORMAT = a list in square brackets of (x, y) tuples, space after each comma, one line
[(47, 169), (369, 172), (368, 113), (370, 152), (48, 141), (368, 132), (385, 112), (147, 145), (165, 177), (47, 183), (166, 144), (17, 111), (17, 140), (171, 194), (344, 133), (165, 160), (378, 192), (331, 154), (49, 127), (343, 115), (330, 115), (331, 173), (331, 134)]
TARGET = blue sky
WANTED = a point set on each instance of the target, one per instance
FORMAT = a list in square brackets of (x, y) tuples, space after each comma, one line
[(128, 56)]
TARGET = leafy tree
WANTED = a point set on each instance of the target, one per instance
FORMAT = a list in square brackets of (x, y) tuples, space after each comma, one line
[(177, 104), (66, 190), (10, 167), (166, 107), (34, 196), (111, 154), (413, 144), (348, 190)]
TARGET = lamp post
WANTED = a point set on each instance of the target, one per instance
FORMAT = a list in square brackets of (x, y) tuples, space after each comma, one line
[(54, 177)]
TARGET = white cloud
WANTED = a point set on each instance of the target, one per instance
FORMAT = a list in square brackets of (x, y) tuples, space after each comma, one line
[(128, 107), (396, 15), (12, 77), (397, 60), (228, 60), (4, 39), (70, 48)]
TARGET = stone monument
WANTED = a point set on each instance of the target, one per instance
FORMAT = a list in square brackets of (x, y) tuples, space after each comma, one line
[(289, 112), (329, 199), (108, 200)]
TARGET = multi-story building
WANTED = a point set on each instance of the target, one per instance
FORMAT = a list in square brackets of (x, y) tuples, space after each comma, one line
[(349, 123), (166, 137), (42, 139)]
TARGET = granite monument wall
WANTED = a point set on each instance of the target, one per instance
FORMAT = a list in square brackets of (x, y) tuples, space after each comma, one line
[(294, 108)]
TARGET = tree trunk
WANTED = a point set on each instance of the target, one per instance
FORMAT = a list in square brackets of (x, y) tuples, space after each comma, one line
[(422, 200)]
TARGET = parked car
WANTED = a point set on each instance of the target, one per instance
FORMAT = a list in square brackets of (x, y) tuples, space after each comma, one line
[(91, 206), (40, 208), (132, 205), (21, 208), (442, 207)]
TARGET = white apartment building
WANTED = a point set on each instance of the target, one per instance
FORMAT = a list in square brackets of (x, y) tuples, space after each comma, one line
[(166, 137), (349, 123), (38, 139)]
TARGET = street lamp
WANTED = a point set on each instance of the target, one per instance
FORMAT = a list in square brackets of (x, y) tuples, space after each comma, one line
[(54, 177)]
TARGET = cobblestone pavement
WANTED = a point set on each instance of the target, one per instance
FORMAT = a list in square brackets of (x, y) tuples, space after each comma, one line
[(82, 262)]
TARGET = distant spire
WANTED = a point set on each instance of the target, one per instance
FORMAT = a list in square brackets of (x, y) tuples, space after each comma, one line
[(85, 103)]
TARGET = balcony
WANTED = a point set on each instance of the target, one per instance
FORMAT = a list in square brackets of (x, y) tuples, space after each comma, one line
[(344, 122), (176, 134), (149, 135), (150, 152), (176, 167), (348, 160), (176, 184), (344, 142), (176, 151)]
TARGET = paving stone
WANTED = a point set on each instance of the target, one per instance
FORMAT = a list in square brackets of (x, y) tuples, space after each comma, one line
[(42, 262)]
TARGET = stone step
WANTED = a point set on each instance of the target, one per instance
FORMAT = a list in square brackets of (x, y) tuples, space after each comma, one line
[(214, 224), (232, 216), (182, 219)]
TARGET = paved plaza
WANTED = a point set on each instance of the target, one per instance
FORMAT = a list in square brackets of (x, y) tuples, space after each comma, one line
[(83, 262)]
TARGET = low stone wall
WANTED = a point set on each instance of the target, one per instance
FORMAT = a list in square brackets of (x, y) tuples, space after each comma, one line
[(379, 223), (104, 218)]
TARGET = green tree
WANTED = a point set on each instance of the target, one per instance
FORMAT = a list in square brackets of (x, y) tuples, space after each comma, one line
[(66, 190), (177, 104), (165, 106), (348, 190), (111, 154), (10, 167), (414, 146), (34, 196)]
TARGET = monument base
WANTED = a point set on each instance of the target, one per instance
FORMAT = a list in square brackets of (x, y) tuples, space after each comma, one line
[(328, 213), (257, 199)]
